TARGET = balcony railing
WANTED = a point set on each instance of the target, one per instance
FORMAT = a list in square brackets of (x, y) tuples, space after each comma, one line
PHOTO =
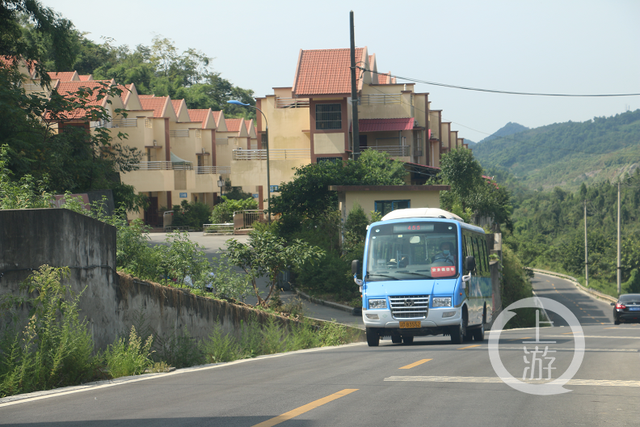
[(222, 170), (380, 99), (393, 150), (124, 123), (179, 133), (274, 154), (164, 166), (292, 102)]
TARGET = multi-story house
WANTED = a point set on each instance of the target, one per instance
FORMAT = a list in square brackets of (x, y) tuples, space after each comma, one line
[(311, 121)]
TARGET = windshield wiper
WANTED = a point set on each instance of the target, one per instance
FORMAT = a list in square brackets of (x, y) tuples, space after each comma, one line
[(416, 274), (382, 275)]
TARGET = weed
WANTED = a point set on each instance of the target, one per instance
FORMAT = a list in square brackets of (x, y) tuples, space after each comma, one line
[(129, 356), (55, 347)]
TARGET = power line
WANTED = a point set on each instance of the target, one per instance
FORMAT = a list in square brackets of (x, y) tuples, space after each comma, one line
[(505, 92)]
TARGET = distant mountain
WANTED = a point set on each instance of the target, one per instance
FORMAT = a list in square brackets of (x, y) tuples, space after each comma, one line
[(565, 154), (507, 130), (470, 143)]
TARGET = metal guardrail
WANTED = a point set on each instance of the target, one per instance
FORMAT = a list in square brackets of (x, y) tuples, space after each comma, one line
[(224, 228), (591, 291), (274, 154)]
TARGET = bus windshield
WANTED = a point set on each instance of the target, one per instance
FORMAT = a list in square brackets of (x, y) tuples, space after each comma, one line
[(412, 250)]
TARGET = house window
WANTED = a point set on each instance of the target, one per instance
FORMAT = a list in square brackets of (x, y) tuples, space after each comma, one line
[(386, 206), (328, 116)]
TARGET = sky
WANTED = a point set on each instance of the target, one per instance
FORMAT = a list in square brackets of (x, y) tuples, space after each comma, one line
[(576, 47)]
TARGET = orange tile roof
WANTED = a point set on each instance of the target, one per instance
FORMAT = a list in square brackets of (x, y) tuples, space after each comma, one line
[(63, 76), (198, 115), (216, 117), (67, 88), (326, 72), (156, 104), (126, 92), (248, 125), (85, 77), (176, 104), (233, 125)]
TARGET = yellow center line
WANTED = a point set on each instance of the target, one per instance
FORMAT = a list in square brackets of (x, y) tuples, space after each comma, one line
[(567, 333), (413, 365), (469, 346), (306, 408), (615, 327)]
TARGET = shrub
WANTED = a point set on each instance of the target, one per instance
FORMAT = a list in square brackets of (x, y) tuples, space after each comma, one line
[(223, 212)]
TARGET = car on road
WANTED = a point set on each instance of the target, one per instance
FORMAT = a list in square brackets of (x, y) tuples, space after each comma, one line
[(626, 309)]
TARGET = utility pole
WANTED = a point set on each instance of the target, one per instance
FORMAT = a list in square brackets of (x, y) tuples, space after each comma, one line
[(586, 253), (354, 94), (619, 267)]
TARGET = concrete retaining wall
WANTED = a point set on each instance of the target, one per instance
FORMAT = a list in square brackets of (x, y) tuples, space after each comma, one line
[(111, 302)]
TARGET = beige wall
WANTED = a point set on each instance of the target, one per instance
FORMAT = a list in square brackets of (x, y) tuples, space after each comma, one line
[(328, 143), (396, 106), (367, 199), (250, 173)]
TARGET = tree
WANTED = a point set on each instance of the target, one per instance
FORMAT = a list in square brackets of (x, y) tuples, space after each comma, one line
[(45, 24), (471, 191), (308, 194), (266, 254)]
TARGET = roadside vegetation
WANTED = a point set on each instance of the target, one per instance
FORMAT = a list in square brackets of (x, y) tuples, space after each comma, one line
[(549, 232), (55, 348)]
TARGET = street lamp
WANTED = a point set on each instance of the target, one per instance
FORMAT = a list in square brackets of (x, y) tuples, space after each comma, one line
[(266, 132)]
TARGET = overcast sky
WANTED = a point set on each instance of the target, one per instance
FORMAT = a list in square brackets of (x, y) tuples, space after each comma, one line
[(539, 46)]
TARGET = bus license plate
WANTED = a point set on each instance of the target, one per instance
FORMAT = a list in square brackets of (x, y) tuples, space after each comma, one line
[(410, 324)]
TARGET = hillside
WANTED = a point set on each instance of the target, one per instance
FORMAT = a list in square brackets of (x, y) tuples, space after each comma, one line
[(566, 154)]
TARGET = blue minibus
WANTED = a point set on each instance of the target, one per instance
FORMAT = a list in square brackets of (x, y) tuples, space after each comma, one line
[(424, 272)]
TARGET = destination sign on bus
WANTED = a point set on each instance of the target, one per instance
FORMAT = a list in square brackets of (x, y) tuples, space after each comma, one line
[(408, 228)]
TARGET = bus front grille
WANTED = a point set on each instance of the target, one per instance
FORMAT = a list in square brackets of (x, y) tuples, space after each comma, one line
[(409, 307)]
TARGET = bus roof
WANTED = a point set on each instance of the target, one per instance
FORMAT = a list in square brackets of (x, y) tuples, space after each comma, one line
[(421, 213)]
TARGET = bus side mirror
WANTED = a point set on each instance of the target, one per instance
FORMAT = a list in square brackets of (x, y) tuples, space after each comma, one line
[(470, 263), (355, 267)]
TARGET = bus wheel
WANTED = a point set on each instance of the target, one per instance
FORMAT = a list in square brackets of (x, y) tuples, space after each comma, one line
[(396, 339), (373, 339), (478, 334), (459, 331), (407, 339)]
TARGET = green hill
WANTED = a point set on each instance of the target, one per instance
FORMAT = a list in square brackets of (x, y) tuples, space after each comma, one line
[(565, 154)]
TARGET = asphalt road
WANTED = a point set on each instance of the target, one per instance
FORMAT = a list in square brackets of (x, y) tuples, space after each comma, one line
[(429, 383)]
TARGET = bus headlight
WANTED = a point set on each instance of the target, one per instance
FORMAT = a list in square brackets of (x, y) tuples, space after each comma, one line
[(441, 302), (377, 303)]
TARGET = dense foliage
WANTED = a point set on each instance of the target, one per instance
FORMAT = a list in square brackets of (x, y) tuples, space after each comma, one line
[(473, 196), (568, 154), (308, 195)]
